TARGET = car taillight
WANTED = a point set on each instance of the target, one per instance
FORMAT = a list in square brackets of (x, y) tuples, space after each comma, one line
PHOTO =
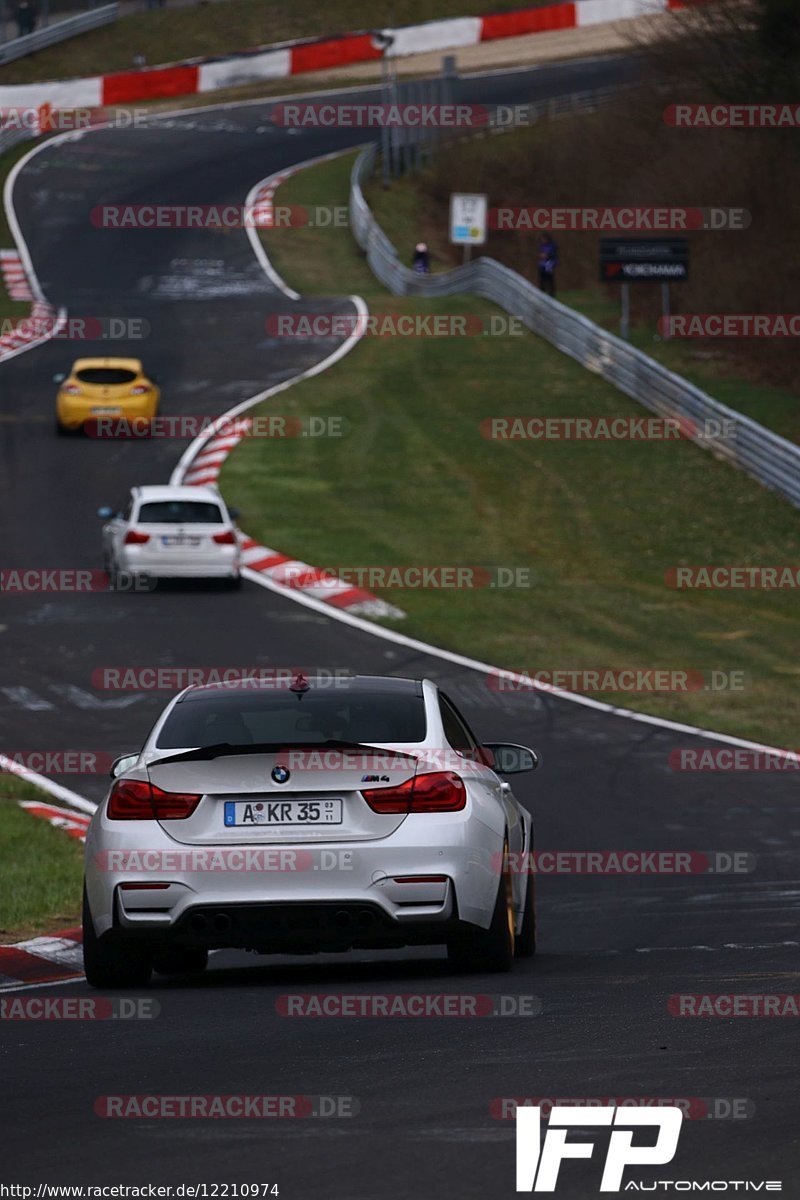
[(134, 538), (71, 389), (225, 539), (139, 390), (137, 800), (438, 791)]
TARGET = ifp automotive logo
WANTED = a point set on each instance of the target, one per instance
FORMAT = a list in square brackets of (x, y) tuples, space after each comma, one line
[(538, 1163)]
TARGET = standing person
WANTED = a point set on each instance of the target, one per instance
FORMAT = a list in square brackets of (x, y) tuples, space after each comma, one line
[(548, 261), (422, 259), (26, 17)]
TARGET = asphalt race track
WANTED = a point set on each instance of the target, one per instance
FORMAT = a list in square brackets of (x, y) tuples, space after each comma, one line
[(613, 950)]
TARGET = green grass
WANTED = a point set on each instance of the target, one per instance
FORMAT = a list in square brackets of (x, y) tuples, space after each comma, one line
[(42, 868), (166, 35), (598, 524)]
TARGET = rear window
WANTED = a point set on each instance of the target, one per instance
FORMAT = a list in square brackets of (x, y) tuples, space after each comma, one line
[(243, 718), (180, 512), (106, 376)]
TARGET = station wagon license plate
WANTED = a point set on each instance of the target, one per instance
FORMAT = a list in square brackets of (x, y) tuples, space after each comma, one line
[(283, 812), (179, 539)]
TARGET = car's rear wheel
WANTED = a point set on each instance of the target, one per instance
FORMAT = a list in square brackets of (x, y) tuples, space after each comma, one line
[(180, 960), (489, 949), (525, 945), (113, 962)]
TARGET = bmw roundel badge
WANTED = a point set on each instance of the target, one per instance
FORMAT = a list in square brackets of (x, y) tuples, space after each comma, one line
[(281, 774)]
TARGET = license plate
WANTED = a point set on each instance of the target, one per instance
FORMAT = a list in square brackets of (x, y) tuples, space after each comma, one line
[(179, 540), (106, 412), (283, 812)]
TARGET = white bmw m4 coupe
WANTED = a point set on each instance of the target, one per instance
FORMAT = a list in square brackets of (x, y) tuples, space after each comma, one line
[(306, 815)]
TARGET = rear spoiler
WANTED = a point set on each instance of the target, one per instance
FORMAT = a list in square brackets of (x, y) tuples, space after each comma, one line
[(229, 750)]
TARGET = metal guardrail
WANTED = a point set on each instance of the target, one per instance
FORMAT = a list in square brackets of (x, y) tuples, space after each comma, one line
[(728, 434), (59, 31)]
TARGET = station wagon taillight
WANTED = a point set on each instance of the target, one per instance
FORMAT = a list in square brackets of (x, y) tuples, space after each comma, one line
[(138, 800), (225, 539), (134, 538), (437, 791)]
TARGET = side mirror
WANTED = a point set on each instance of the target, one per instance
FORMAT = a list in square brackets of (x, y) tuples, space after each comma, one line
[(60, 377), (122, 764), (106, 513), (507, 758), (234, 513)]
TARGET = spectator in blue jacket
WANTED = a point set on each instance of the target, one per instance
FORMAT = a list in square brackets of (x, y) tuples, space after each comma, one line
[(548, 261)]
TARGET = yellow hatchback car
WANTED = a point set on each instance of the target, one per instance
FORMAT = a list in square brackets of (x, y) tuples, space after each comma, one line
[(104, 387)]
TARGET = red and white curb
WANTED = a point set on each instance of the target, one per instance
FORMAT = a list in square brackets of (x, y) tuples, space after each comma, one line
[(73, 823), (261, 206), (207, 462), (195, 76), (43, 322), (40, 326), (41, 960), (14, 277), (315, 582)]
